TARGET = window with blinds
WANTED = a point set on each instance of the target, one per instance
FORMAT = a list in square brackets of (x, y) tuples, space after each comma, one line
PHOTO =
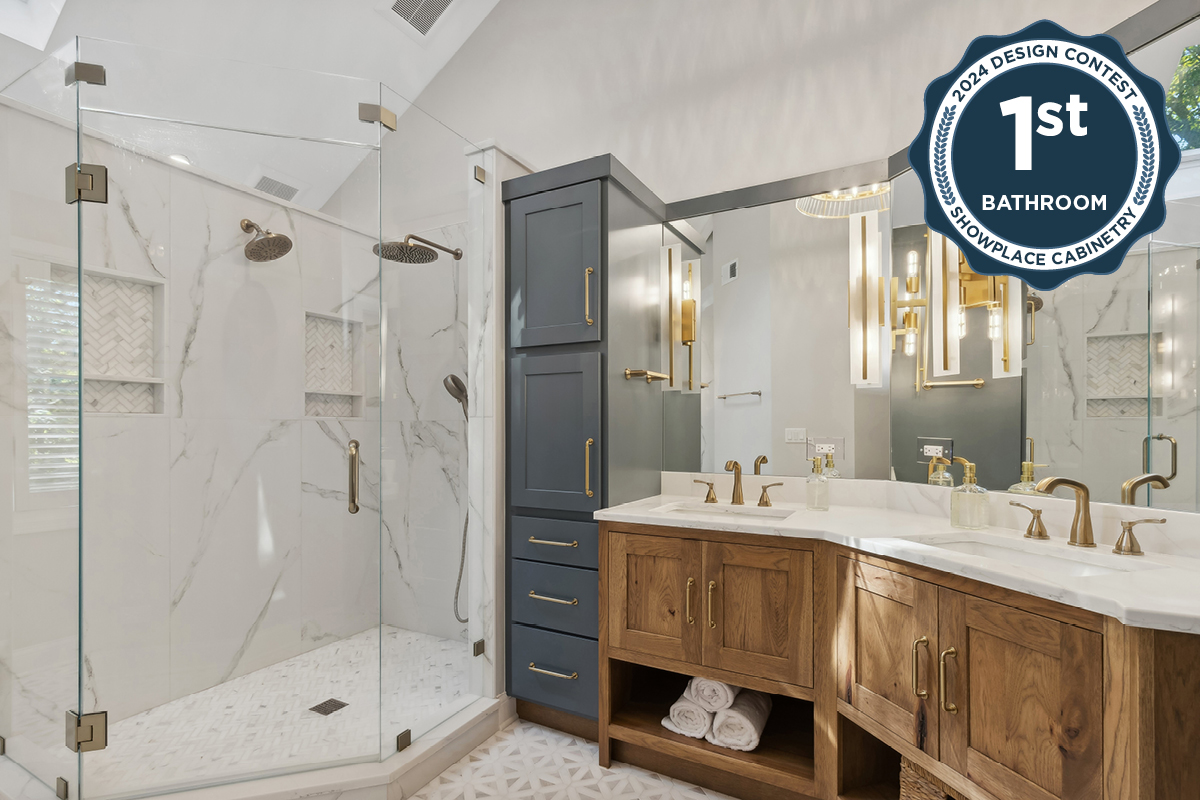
[(52, 369)]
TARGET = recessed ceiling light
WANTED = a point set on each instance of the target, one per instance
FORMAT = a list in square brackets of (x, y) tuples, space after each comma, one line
[(180, 158)]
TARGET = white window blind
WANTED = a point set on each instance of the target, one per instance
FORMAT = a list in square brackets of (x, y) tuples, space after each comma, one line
[(52, 355)]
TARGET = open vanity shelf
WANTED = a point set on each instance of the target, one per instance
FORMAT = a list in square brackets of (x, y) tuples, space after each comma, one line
[(783, 759)]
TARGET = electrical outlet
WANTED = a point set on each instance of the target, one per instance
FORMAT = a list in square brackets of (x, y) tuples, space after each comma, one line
[(822, 449), (795, 435), (836, 445), (929, 447)]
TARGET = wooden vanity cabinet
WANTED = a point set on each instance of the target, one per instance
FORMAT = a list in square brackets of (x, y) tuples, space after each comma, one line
[(733, 607), (887, 638), (1022, 714)]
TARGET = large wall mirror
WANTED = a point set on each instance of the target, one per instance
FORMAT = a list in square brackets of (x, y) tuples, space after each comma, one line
[(839, 321)]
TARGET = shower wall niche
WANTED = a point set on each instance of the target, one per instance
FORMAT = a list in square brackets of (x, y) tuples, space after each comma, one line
[(333, 368), (123, 342)]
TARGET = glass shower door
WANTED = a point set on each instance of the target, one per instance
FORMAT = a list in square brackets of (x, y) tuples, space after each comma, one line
[(231, 359)]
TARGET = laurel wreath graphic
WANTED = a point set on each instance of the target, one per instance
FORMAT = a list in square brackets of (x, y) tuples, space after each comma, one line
[(1146, 139), (940, 143)]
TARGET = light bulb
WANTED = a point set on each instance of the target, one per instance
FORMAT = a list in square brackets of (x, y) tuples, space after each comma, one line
[(912, 263), (995, 320), (687, 290), (910, 344), (962, 323)]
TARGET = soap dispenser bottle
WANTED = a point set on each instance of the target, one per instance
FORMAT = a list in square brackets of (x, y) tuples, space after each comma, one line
[(830, 471), (817, 488), (1027, 485), (937, 472), (969, 502)]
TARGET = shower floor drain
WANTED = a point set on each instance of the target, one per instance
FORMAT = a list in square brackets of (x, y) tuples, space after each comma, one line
[(328, 707)]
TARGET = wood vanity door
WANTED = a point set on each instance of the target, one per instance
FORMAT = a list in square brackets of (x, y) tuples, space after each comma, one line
[(1028, 692), (882, 616), (649, 596), (758, 611)]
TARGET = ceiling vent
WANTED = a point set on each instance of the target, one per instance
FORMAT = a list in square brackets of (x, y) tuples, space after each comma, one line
[(421, 15), (277, 188)]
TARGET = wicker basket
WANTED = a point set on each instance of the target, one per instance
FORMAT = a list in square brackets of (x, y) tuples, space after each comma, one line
[(917, 784)]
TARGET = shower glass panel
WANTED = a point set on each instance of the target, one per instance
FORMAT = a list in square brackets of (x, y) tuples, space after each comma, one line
[(227, 590), (39, 422), (427, 634)]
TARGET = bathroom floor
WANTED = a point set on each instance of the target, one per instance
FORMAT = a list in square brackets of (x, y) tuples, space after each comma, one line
[(260, 724), (536, 763)]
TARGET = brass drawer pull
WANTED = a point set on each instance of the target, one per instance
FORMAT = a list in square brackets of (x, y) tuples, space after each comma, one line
[(574, 601), (688, 600), (587, 466), (712, 586), (535, 540), (946, 704), (353, 458), (587, 296), (916, 667), (574, 676)]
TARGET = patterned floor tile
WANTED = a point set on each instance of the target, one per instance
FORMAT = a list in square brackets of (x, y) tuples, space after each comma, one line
[(529, 761)]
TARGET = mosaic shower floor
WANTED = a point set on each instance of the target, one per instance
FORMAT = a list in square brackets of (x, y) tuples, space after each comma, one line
[(536, 763), (260, 724)]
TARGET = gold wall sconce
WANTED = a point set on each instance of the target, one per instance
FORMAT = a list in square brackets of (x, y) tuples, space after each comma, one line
[(990, 292), (687, 327), (866, 312)]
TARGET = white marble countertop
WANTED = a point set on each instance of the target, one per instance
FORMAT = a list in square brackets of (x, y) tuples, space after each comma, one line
[(1160, 591)]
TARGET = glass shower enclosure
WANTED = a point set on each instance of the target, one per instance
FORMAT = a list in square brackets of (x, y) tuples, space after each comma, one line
[(237, 483)]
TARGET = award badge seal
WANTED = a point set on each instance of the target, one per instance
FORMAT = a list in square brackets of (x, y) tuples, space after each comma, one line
[(1044, 155)]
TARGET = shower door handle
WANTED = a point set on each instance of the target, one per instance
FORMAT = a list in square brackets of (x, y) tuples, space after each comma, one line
[(1161, 437), (353, 453)]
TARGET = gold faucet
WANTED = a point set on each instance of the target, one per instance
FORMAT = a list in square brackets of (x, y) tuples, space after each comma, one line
[(1129, 488), (736, 469), (764, 500), (1081, 525), (758, 462)]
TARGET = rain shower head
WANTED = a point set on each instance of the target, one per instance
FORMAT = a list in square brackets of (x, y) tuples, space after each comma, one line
[(457, 390), (265, 246), (406, 252)]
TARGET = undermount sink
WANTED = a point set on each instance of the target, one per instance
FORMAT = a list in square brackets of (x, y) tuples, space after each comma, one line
[(725, 510), (1030, 554)]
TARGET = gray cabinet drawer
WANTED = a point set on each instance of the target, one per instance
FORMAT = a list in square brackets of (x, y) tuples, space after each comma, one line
[(558, 653), (550, 596), (576, 544)]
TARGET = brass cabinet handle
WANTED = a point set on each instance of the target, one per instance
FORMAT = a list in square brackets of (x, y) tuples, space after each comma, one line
[(587, 466), (535, 540), (946, 704), (574, 676), (712, 585), (916, 667), (688, 600), (587, 295), (574, 601), (353, 454), (1029, 304)]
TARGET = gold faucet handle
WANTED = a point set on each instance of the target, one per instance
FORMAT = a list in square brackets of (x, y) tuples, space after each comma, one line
[(764, 500), (711, 497), (1128, 545), (1036, 529)]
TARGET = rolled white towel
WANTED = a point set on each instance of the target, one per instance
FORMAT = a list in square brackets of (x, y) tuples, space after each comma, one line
[(711, 695), (740, 726), (688, 719)]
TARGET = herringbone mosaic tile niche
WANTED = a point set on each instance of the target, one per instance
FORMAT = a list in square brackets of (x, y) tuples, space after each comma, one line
[(118, 343), (330, 355), (1118, 374)]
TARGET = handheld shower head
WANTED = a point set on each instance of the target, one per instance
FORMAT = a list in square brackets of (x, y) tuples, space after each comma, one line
[(406, 252), (457, 390), (265, 246)]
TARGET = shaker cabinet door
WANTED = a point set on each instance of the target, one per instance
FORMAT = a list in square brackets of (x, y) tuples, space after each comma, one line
[(887, 638), (654, 597), (1022, 714), (758, 617), (554, 267), (555, 432)]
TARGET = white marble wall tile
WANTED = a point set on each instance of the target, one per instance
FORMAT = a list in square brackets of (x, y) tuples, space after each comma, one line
[(341, 550), (35, 154), (236, 577), (132, 232), (339, 272), (126, 563), (236, 335)]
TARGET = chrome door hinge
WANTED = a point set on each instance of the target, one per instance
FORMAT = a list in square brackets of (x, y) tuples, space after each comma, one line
[(480, 174), (88, 733), (403, 740), (373, 112), (87, 182), (62, 789), (478, 649), (79, 72)]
